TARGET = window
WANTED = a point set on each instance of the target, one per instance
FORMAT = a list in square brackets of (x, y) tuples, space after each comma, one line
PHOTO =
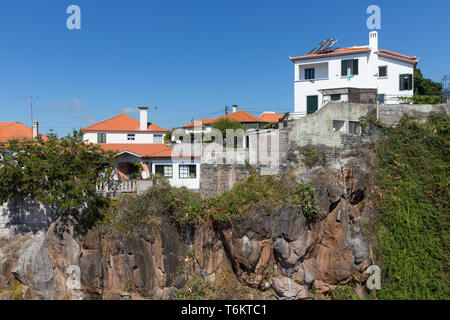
[(131, 137), (101, 137), (247, 142), (349, 67), (382, 72), (164, 170), (335, 97), (309, 74), (354, 127), (158, 138), (406, 82), (338, 125), (187, 171)]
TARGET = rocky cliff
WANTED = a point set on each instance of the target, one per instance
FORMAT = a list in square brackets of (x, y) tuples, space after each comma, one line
[(280, 255)]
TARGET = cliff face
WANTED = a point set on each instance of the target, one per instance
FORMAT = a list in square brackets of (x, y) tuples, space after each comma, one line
[(280, 255)]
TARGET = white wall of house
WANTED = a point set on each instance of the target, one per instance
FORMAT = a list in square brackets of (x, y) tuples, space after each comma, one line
[(176, 181), (122, 137), (328, 76)]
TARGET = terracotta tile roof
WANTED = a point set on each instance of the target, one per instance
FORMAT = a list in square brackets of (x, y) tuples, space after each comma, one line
[(398, 56), (241, 116), (271, 117), (336, 52), (145, 150), (200, 122), (15, 130), (120, 123)]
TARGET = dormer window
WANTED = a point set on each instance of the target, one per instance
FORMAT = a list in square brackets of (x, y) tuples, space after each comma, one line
[(131, 137)]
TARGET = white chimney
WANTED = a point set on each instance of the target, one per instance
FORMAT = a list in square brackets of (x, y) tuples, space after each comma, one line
[(35, 129), (234, 108), (373, 41), (143, 118)]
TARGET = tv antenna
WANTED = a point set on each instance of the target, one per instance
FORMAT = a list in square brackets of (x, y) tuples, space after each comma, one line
[(31, 107)]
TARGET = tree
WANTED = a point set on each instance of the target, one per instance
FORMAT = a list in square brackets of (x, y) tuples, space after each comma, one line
[(58, 171), (425, 87), (224, 124)]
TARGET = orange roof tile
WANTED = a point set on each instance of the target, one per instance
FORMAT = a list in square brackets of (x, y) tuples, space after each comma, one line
[(271, 117), (15, 130), (122, 122), (398, 56), (336, 52), (241, 116), (146, 150), (200, 122)]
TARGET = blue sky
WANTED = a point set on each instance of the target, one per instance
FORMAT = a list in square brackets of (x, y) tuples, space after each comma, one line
[(189, 58)]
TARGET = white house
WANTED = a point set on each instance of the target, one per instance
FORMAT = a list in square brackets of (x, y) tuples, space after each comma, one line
[(141, 151), (353, 74), (125, 129)]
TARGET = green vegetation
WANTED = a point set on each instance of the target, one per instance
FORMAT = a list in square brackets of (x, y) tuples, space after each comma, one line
[(343, 293), (57, 171), (168, 137), (367, 122), (426, 87), (422, 99), (412, 227), (186, 208), (225, 124), (312, 157)]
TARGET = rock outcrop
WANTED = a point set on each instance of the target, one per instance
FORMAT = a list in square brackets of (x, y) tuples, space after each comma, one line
[(282, 251)]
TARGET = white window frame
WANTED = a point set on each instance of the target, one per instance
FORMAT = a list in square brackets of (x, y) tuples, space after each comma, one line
[(181, 171), (160, 136)]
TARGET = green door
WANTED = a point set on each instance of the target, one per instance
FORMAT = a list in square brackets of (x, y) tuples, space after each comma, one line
[(312, 103)]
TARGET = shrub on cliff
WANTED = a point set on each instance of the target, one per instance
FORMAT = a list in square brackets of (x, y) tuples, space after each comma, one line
[(58, 171), (413, 237)]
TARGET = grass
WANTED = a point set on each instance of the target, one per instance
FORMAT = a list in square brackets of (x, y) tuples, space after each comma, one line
[(412, 227)]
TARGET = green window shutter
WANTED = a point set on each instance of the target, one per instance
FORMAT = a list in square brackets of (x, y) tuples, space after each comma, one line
[(410, 82), (401, 83), (355, 66), (343, 67)]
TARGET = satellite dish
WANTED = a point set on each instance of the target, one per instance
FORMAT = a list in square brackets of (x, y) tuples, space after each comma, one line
[(324, 46)]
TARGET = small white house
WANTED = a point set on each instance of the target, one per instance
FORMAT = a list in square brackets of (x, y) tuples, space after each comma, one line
[(125, 129), (353, 74)]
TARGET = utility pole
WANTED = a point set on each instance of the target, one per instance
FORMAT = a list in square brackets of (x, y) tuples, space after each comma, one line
[(226, 110), (156, 109), (31, 108)]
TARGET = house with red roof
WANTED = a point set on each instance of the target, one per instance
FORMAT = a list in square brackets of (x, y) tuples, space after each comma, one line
[(125, 129), (360, 74), (18, 131), (248, 120), (141, 151)]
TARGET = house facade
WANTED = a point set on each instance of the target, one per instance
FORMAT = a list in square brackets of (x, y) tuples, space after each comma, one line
[(141, 152), (125, 129), (360, 74)]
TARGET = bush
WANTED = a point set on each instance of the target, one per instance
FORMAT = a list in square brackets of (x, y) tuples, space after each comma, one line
[(412, 227), (312, 157)]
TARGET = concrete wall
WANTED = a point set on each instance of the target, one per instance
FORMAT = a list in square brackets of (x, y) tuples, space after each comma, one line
[(391, 114), (317, 128)]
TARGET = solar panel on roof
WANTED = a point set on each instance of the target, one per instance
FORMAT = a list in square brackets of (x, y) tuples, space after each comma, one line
[(325, 45)]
